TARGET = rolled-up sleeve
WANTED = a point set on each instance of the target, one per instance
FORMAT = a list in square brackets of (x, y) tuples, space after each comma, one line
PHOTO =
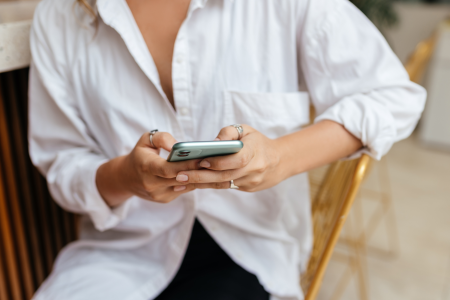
[(354, 78), (60, 143)]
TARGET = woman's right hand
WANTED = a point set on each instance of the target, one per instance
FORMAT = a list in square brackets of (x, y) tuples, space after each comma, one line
[(144, 173)]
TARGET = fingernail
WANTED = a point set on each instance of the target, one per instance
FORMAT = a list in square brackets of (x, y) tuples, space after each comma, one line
[(217, 139), (179, 188), (182, 178), (205, 164)]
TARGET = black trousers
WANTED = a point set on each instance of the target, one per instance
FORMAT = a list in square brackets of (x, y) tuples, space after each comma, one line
[(208, 273)]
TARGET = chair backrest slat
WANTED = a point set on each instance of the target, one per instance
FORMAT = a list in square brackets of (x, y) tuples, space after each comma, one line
[(329, 208)]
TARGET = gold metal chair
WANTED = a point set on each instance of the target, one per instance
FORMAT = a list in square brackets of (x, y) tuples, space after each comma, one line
[(334, 188), (418, 61), (331, 205)]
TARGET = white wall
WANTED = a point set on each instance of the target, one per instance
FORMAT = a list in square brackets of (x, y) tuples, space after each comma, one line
[(417, 22)]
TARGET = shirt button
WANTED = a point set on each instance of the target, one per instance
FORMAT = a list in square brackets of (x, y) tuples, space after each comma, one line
[(179, 60), (184, 111)]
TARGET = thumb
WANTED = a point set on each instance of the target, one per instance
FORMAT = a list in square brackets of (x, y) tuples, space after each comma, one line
[(163, 140)]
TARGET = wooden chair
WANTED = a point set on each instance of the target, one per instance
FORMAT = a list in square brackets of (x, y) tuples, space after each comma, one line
[(333, 190), (331, 204)]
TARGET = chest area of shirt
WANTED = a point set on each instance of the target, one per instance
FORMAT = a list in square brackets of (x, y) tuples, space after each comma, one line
[(250, 57), (238, 56)]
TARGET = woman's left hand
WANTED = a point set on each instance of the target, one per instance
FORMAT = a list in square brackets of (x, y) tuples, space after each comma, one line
[(256, 167)]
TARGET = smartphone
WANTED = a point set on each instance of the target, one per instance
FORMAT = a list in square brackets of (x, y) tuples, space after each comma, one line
[(193, 150)]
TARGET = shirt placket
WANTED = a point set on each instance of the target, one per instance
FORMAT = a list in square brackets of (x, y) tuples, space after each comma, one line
[(181, 83), (181, 76)]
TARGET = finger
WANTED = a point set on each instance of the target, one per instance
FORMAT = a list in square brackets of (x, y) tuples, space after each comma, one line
[(231, 133), (144, 143), (229, 162), (208, 176), (241, 183), (162, 168), (182, 189), (169, 194), (159, 182), (163, 140), (215, 185), (159, 186), (179, 188)]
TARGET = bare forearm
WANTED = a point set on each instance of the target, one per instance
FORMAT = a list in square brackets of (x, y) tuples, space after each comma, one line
[(110, 182), (315, 146)]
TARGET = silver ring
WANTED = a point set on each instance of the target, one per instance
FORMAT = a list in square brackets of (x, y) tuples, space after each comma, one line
[(239, 129), (232, 186), (151, 136)]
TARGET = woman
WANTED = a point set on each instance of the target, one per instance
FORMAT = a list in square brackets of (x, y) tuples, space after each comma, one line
[(158, 230)]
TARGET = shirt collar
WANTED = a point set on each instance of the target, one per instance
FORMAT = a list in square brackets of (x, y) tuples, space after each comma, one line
[(198, 3), (108, 8), (116, 14), (194, 5)]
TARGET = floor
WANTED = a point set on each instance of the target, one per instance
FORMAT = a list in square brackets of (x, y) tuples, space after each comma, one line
[(419, 267)]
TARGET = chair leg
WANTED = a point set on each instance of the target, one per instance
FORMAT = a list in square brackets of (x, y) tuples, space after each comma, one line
[(360, 250), (359, 232), (355, 257), (384, 211)]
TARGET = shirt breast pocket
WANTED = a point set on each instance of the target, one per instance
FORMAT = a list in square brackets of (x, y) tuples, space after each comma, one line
[(273, 114)]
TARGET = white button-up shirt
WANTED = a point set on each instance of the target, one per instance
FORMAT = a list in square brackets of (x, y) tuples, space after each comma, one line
[(95, 91)]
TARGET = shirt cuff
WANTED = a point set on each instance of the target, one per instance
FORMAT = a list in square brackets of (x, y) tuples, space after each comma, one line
[(367, 120), (103, 216)]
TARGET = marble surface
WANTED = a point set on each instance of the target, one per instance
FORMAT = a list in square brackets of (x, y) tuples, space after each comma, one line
[(420, 184), (15, 22)]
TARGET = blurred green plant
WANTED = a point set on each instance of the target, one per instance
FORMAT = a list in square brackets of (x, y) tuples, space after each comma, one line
[(380, 12)]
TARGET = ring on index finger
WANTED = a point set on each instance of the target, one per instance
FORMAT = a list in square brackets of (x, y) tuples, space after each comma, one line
[(239, 129), (151, 136)]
